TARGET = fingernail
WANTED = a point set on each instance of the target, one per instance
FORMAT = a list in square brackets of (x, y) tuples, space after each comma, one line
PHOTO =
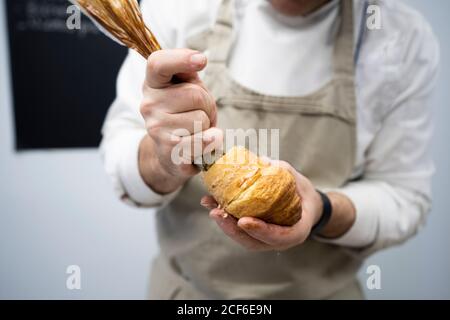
[(204, 203), (198, 59)]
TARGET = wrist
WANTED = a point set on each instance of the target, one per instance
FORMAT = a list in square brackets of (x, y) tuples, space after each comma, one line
[(324, 213), (342, 218), (319, 208), (153, 173)]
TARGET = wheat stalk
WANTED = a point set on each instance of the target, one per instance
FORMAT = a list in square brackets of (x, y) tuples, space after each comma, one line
[(123, 20)]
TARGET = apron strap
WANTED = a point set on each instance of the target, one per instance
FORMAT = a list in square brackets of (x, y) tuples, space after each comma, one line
[(344, 63), (221, 39)]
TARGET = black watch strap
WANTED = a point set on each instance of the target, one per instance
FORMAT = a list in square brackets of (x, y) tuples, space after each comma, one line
[(326, 214)]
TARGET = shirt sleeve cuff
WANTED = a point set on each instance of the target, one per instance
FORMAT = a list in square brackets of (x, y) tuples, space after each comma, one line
[(136, 190), (364, 231)]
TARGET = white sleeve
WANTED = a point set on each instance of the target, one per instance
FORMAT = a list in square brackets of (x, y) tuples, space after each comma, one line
[(393, 197), (123, 131), (124, 127)]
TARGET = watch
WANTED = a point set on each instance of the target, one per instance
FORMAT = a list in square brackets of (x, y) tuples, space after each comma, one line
[(326, 214)]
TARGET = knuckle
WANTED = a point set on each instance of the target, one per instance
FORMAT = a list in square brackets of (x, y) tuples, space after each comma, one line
[(147, 107), (154, 127), (155, 65), (154, 132)]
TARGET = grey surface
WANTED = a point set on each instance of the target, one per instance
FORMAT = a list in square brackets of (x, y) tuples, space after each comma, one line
[(57, 208)]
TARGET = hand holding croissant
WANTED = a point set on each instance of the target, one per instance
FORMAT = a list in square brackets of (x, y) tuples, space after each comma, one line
[(246, 186), (256, 234)]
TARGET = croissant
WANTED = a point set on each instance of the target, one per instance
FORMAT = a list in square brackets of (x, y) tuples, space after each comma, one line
[(245, 186)]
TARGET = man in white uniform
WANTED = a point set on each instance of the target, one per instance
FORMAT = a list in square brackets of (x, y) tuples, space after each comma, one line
[(351, 106)]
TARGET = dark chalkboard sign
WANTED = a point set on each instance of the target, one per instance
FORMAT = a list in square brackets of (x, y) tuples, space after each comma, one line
[(63, 80)]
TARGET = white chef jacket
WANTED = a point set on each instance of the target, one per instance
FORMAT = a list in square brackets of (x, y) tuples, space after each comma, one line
[(291, 56)]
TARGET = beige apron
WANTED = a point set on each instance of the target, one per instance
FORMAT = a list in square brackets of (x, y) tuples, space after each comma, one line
[(317, 136)]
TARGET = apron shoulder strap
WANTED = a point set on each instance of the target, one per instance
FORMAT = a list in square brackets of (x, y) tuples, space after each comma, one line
[(221, 36), (344, 63)]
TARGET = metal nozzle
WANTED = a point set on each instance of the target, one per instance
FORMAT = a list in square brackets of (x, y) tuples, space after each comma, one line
[(206, 161)]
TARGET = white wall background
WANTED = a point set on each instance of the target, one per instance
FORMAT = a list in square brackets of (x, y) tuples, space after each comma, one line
[(57, 209)]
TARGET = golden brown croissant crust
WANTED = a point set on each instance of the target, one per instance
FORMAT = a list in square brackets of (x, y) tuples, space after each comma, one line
[(244, 186)]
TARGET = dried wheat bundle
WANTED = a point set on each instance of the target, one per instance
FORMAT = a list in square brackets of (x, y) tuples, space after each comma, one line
[(123, 20)]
